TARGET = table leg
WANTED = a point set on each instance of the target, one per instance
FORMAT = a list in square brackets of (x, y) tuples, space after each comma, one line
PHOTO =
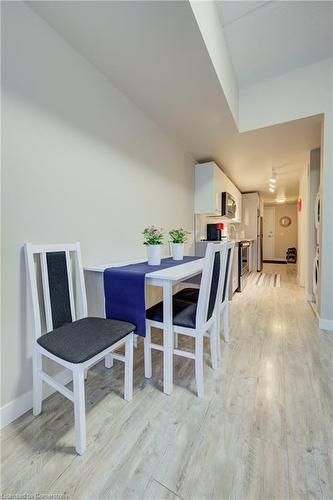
[(167, 337)]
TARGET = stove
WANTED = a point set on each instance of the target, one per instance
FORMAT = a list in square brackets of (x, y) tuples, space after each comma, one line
[(243, 264)]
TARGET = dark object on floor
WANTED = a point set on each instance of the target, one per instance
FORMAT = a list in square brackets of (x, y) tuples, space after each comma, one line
[(291, 255)]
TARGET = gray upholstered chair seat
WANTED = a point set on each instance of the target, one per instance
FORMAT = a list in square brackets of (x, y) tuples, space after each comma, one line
[(81, 340), (188, 294), (184, 313)]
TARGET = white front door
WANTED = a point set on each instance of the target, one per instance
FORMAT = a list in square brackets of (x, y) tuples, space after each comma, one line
[(269, 233)]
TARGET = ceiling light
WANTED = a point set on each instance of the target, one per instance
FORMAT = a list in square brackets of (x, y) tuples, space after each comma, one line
[(272, 190), (272, 179), (280, 200), (271, 185)]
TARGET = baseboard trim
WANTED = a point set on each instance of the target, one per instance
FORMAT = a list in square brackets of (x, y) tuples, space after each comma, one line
[(325, 324), (14, 409), (273, 261)]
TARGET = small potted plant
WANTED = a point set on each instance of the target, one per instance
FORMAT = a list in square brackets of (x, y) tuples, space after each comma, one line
[(153, 239), (178, 238)]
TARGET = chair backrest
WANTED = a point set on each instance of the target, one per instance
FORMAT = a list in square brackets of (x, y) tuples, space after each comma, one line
[(57, 284), (228, 269), (210, 291)]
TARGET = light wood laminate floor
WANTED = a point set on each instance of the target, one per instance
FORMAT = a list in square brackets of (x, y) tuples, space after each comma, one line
[(263, 431)]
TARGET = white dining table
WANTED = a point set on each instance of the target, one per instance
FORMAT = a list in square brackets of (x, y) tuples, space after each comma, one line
[(166, 279)]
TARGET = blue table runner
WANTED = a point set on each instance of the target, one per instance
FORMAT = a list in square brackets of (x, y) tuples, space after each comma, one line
[(124, 290)]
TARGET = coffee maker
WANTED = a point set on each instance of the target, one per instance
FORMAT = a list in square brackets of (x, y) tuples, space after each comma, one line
[(214, 231)]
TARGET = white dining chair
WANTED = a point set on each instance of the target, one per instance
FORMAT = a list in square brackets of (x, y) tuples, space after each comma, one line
[(191, 294), (197, 319), (71, 339), (224, 307)]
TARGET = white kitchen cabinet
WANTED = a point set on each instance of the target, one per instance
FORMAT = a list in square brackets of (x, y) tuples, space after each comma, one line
[(261, 203), (252, 210), (206, 198), (210, 183)]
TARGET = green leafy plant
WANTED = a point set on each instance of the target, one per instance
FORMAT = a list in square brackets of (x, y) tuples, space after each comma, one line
[(153, 236), (178, 235)]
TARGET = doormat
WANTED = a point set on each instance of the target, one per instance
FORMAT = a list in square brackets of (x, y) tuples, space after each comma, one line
[(268, 280)]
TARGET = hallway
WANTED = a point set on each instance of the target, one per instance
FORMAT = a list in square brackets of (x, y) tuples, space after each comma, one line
[(264, 429)]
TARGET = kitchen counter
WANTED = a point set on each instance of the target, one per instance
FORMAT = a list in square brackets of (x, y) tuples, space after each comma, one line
[(200, 250), (200, 246), (237, 240)]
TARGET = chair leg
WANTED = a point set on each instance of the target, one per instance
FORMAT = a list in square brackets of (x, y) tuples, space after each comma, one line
[(108, 361), (199, 365), (128, 390), (175, 341), (79, 410), (37, 382), (213, 338), (147, 352), (135, 341), (85, 373), (218, 334), (226, 323)]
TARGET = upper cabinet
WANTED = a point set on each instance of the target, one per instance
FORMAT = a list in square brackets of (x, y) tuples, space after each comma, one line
[(251, 211), (210, 183)]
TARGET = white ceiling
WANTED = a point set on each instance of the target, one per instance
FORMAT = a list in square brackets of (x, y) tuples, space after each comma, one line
[(154, 53), (232, 10), (266, 39)]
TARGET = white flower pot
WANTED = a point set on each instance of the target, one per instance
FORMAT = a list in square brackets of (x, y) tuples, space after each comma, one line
[(154, 255), (177, 251)]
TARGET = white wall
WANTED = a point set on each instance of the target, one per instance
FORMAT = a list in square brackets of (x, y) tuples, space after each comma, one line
[(300, 93), (313, 188), (285, 237), (326, 236), (304, 92), (302, 229), (80, 163)]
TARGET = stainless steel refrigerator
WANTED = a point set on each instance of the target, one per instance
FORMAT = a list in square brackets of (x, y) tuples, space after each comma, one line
[(259, 242)]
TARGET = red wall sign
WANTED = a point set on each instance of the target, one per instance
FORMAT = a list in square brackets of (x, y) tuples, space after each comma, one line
[(299, 205)]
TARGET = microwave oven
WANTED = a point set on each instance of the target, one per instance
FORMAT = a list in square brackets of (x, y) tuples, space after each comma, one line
[(228, 206)]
